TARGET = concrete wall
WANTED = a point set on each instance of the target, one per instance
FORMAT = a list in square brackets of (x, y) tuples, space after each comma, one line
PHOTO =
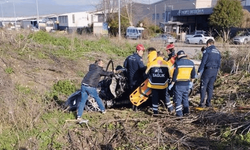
[(203, 4)]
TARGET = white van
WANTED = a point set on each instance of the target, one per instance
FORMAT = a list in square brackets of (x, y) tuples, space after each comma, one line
[(134, 32)]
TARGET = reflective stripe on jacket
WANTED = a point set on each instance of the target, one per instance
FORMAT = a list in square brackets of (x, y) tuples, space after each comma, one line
[(184, 70)]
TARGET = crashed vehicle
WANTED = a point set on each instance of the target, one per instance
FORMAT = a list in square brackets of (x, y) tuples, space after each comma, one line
[(112, 90)]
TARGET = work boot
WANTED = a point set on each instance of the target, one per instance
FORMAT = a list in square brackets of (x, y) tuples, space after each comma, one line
[(171, 112), (112, 87), (103, 111), (135, 108), (201, 105), (208, 105), (80, 120), (155, 112)]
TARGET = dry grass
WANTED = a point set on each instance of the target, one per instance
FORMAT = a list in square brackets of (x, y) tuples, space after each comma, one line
[(25, 107)]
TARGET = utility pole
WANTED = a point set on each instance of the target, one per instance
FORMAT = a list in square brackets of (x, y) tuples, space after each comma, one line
[(119, 14), (2, 10), (155, 18), (14, 12), (105, 11), (165, 13), (37, 12), (131, 8)]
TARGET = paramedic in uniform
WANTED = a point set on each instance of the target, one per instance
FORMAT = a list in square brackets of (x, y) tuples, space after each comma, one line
[(158, 75), (209, 67), (183, 77)]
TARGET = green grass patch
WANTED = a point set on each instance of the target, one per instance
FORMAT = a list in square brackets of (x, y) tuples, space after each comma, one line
[(9, 70)]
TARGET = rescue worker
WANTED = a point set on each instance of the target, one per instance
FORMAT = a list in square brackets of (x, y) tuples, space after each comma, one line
[(89, 85), (209, 67), (158, 75), (183, 77), (170, 50), (171, 60), (135, 68), (152, 54)]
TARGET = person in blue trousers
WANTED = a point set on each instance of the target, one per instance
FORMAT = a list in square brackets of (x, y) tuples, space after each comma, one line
[(183, 77), (209, 67), (89, 87), (135, 70), (158, 76)]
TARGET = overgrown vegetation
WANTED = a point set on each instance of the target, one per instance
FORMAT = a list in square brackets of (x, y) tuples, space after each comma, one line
[(40, 70)]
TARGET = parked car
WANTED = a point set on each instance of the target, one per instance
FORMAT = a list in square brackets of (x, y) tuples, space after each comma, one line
[(242, 38), (195, 33), (198, 39), (166, 38)]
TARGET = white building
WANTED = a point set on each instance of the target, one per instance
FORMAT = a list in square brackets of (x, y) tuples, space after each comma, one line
[(76, 20)]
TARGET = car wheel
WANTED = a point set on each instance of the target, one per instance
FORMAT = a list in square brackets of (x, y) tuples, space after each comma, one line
[(91, 105), (245, 41), (188, 42), (200, 42)]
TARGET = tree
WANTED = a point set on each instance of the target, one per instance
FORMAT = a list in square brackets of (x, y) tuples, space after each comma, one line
[(113, 23), (246, 19), (110, 7), (226, 14)]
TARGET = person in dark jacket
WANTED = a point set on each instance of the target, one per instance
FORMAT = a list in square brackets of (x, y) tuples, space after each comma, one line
[(135, 68), (183, 77), (209, 67), (89, 87)]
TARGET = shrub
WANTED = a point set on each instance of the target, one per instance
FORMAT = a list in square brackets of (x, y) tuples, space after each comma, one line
[(64, 87)]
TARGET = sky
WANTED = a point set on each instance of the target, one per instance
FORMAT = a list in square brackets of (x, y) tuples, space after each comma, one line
[(21, 8)]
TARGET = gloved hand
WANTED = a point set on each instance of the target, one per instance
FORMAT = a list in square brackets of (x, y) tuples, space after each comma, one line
[(190, 85), (170, 86), (199, 74), (196, 76)]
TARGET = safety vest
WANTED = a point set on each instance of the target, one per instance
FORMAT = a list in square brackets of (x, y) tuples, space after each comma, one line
[(184, 70), (158, 74)]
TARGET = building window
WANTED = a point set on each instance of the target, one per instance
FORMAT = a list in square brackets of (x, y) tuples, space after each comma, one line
[(163, 16), (63, 19), (157, 16), (153, 17), (73, 18)]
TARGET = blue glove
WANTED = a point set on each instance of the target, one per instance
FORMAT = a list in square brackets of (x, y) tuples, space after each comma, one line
[(190, 85), (170, 86)]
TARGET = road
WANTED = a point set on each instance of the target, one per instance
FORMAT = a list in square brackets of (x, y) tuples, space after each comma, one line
[(193, 49)]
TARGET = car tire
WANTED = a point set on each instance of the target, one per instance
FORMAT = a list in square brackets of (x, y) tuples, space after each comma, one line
[(200, 42), (245, 41), (188, 42)]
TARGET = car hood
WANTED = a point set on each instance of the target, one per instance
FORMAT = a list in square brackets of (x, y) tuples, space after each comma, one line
[(239, 37)]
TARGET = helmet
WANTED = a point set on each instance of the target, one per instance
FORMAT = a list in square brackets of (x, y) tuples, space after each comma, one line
[(140, 47), (181, 52), (170, 46)]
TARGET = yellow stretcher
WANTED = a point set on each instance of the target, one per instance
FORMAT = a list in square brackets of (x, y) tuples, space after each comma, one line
[(141, 94)]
